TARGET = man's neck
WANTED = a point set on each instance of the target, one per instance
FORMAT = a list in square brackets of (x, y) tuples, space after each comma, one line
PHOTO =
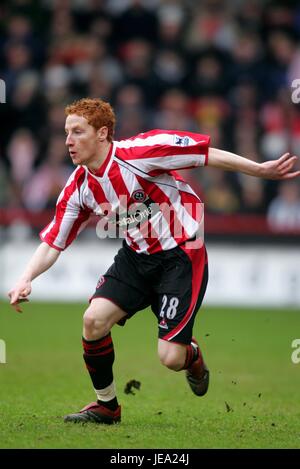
[(99, 159)]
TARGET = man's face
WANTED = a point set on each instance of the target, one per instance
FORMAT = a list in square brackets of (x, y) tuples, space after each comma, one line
[(82, 139)]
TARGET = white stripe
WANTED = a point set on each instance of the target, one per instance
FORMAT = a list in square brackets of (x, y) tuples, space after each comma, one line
[(169, 162), (109, 192), (158, 222), (60, 197), (162, 227), (185, 187), (89, 199), (46, 231), (190, 225), (132, 184), (70, 216), (158, 139), (68, 183)]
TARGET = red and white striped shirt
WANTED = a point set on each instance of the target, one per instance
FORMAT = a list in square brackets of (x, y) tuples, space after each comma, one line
[(137, 189)]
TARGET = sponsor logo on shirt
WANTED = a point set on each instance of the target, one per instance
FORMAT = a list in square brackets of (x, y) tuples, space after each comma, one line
[(181, 141)]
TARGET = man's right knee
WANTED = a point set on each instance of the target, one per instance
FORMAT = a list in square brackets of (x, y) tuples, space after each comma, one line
[(93, 326), (99, 318)]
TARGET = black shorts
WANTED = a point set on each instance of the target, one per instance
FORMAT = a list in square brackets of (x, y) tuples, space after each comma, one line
[(172, 282)]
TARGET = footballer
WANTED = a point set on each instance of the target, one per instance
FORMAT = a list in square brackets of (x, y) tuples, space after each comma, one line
[(162, 262)]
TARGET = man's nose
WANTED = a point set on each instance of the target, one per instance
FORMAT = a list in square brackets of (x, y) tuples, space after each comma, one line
[(69, 140)]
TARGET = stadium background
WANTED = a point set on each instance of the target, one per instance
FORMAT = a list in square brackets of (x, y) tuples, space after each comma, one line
[(225, 68)]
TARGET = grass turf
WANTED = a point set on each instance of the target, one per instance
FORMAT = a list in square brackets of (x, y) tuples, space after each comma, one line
[(253, 400)]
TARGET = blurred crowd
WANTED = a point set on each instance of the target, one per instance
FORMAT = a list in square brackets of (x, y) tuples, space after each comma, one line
[(222, 67)]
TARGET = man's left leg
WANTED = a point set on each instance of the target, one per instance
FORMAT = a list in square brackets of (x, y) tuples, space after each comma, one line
[(182, 290), (179, 357)]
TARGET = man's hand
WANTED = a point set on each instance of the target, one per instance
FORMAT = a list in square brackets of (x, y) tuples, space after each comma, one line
[(280, 169), (19, 294)]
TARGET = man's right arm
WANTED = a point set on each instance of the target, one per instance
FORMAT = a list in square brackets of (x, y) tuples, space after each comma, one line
[(43, 258)]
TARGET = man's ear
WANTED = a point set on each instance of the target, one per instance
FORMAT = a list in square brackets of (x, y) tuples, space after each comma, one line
[(102, 133)]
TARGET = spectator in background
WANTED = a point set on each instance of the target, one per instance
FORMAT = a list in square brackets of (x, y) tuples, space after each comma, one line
[(252, 196), (136, 57), (18, 61), (281, 124), (220, 67), (282, 48), (20, 31), (130, 107), (208, 76), (211, 24), (21, 155), (44, 187), (248, 62), (169, 71), (22, 152), (219, 196), (284, 210), (173, 111), (171, 25), (136, 22), (5, 186)]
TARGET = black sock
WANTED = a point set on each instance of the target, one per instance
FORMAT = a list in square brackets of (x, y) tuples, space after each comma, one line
[(99, 357), (111, 405)]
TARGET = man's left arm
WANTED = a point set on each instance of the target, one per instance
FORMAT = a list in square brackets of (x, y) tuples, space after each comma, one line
[(274, 169)]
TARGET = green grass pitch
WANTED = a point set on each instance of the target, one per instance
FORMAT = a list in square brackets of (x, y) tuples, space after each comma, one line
[(253, 400)]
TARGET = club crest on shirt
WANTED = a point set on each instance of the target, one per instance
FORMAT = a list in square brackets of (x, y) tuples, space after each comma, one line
[(181, 141), (139, 195)]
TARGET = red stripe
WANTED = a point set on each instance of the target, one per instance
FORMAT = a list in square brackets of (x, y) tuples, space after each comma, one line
[(105, 352), (62, 206), (49, 242), (161, 150), (97, 191), (192, 204), (83, 216), (133, 244), (117, 181), (100, 343), (180, 133), (159, 197), (189, 356), (198, 260), (147, 230)]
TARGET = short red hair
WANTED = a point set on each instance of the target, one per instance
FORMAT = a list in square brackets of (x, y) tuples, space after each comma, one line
[(98, 113)]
